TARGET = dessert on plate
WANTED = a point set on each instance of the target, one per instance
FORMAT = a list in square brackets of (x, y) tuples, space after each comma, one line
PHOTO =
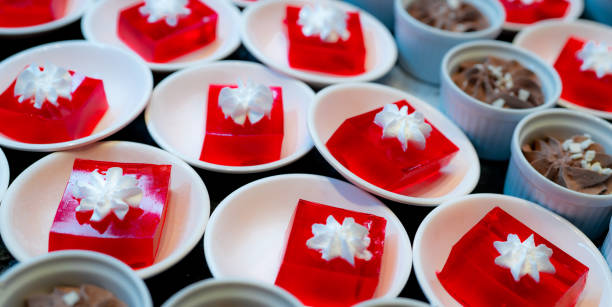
[(25, 13), (85, 295), (531, 11), (449, 15), (333, 256)]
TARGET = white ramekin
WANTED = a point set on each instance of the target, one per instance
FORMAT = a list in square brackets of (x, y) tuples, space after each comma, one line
[(381, 9), (490, 128), (590, 213), (421, 47), (72, 268)]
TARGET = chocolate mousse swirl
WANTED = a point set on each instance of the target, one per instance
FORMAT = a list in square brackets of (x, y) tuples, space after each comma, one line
[(84, 296), (499, 82), (450, 15), (577, 163)]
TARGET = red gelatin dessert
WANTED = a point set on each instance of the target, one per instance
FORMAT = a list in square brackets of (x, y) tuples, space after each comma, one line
[(49, 104), (161, 31), (244, 125), (586, 73), (325, 39), (113, 208), (502, 262), (25, 13), (531, 11), (333, 256), (391, 147)]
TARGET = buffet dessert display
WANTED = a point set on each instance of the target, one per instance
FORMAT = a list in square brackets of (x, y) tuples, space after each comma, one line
[(455, 15), (83, 296), (532, 11), (25, 13)]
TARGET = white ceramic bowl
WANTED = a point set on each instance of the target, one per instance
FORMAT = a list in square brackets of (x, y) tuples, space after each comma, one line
[(74, 11), (446, 224), (574, 11), (590, 213), (176, 117), (72, 268), (29, 206), (422, 47), (606, 248), (5, 173), (546, 39), (264, 209), (100, 25), (392, 302), (381, 9), (263, 35), (600, 10), (127, 83), (334, 104), (490, 128), (232, 292)]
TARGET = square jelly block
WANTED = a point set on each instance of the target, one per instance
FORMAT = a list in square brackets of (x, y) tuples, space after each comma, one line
[(311, 53), (319, 282), (159, 42), (358, 145), (228, 143), (24, 13), (518, 12), (133, 240), (71, 119), (583, 88), (473, 278)]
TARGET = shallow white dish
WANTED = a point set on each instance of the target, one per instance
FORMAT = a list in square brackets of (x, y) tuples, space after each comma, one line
[(574, 11), (74, 11), (176, 116), (446, 224), (29, 206), (127, 83), (100, 25), (337, 103), (5, 173), (546, 39), (263, 35), (264, 208)]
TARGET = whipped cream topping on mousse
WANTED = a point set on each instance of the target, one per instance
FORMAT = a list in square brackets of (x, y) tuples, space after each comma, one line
[(449, 15)]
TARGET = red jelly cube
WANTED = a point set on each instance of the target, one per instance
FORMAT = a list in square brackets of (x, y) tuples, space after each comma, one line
[(133, 239), (334, 282), (582, 87), (519, 12), (473, 278), (68, 120), (344, 57), (159, 42), (24, 13), (228, 143), (359, 146)]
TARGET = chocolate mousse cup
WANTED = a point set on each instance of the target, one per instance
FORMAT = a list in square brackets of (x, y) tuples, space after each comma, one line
[(588, 207), (422, 46)]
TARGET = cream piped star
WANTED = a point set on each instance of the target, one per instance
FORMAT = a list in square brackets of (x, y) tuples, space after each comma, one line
[(396, 123), (326, 21), (249, 100), (524, 258), (348, 241), (596, 57), (170, 10), (46, 85)]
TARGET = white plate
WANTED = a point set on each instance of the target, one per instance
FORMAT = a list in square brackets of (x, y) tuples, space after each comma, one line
[(176, 117), (337, 103), (446, 224), (100, 25), (264, 208), (4, 174), (263, 35), (29, 206), (74, 11), (546, 39), (574, 11), (127, 83)]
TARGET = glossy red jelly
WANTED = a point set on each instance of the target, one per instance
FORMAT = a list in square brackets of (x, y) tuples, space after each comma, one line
[(72, 119), (518, 12), (231, 144), (318, 282), (358, 145), (24, 13), (311, 53), (471, 276), (582, 87), (159, 42), (133, 240)]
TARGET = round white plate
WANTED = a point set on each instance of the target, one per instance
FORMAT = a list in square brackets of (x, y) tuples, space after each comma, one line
[(264, 208), (446, 224), (574, 11), (29, 206), (100, 25), (127, 83), (4, 174), (176, 117), (74, 11), (546, 39), (337, 103), (263, 35)]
